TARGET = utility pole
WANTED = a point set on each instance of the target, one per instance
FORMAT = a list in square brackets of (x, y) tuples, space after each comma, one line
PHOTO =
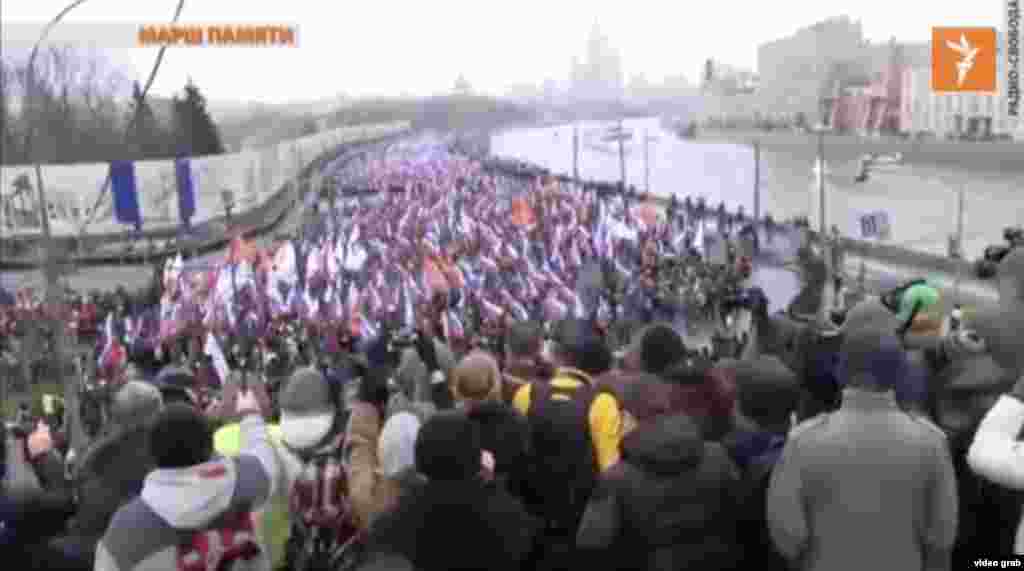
[(575, 153), (823, 234), (622, 154), (647, 163), (54, 305), (757, 183), (957, 253)]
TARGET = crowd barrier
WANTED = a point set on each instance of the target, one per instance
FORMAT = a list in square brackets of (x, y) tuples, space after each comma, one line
[(253, 177)]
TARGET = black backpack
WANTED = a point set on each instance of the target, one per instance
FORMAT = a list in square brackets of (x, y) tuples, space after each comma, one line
[(566, 468)]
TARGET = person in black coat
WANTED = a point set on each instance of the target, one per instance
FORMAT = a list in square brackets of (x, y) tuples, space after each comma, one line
[(34, 504), (457, 520), (671, 503)]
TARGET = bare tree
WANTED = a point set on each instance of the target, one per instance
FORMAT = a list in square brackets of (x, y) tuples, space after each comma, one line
[(75, 106)]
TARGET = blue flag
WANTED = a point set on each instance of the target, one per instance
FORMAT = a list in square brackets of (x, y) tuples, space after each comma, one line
[(186, 191), (126, 196)]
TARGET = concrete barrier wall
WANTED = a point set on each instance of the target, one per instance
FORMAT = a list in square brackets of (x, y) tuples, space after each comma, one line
[(254, 176)]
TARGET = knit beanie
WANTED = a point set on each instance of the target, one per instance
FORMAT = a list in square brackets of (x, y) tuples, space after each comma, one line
[(767, 391), (307, 409), (176, 384), (448, 448), (660, 347), (135, 404), (396, 448), (874, 358), (647, 397), (181, 437)]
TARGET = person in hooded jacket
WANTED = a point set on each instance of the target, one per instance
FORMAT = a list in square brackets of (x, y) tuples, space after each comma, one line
[(30, 515), (524, 363), (995, 452), (457, 520), (193, 491), (477, 388), (767, 397), (671, 502)]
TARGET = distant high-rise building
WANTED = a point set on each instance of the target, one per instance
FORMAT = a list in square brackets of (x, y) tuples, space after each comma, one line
[(600, 77), (462, 86)]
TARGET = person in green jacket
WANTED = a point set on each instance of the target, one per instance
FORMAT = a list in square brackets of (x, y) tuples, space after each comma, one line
[(917, 297)]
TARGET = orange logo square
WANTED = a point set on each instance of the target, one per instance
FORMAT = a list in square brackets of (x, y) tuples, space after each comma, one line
[(964, 60)]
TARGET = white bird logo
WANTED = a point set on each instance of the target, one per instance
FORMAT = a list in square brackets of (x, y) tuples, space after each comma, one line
[(967, 55)]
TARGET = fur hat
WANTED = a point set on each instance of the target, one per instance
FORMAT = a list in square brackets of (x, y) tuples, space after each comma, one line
[(476, 378)]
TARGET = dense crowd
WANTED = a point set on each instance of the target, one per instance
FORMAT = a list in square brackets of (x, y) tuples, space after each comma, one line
[(455, 424)]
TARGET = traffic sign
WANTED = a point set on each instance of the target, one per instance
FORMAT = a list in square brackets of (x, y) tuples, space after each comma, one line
[(875, 225)]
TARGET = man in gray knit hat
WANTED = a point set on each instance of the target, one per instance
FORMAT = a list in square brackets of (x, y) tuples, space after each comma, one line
[(868, 485)]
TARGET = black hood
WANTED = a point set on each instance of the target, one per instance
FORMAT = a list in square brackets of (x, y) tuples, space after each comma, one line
[(492, 412), (665, 445)]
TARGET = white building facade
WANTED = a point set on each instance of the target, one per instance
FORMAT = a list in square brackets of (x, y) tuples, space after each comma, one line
[(955, 114)]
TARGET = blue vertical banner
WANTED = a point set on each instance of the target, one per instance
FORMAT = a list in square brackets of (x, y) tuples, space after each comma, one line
[(126, 195), (186, 191)]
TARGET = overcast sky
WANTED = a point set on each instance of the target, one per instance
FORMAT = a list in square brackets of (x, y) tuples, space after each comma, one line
[(417, 47)]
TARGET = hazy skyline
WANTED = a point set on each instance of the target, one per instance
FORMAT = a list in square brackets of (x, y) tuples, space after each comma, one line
[(389, 48)]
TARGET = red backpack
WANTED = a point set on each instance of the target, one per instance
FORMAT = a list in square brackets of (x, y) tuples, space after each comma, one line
[(231, 545), (324, 531)]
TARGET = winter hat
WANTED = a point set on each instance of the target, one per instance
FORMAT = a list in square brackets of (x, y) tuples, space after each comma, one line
[(176, 384), (181, 437), (396, 448), (1002, 325), (871, 314), (660, 347), (448, 448), (583, 345), (647, 397), (135, 404), (872, 358), (767, 391), (307, 409), (476, 378)]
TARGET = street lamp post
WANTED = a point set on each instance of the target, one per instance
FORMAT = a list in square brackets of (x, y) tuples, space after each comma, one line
[(826, 242), (227, 198)]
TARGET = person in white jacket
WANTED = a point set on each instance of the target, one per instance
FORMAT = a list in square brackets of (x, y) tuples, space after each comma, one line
[(996, 453)]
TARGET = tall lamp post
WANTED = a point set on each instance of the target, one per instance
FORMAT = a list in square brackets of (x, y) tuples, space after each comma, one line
[(227, 198), (827, 302)]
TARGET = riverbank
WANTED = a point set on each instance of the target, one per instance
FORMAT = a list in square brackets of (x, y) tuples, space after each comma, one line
[(1001, 157)]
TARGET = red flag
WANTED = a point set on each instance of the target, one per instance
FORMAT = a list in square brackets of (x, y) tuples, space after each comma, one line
[(434, 278), (649, 214), (522, 214)]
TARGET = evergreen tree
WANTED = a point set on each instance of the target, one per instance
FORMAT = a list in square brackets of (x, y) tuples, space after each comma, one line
[(195, 132), (146, 137)]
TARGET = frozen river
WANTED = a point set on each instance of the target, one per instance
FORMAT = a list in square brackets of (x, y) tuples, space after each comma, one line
[(921, 200)]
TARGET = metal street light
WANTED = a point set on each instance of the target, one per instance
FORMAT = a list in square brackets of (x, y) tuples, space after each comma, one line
[(227, 198)]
